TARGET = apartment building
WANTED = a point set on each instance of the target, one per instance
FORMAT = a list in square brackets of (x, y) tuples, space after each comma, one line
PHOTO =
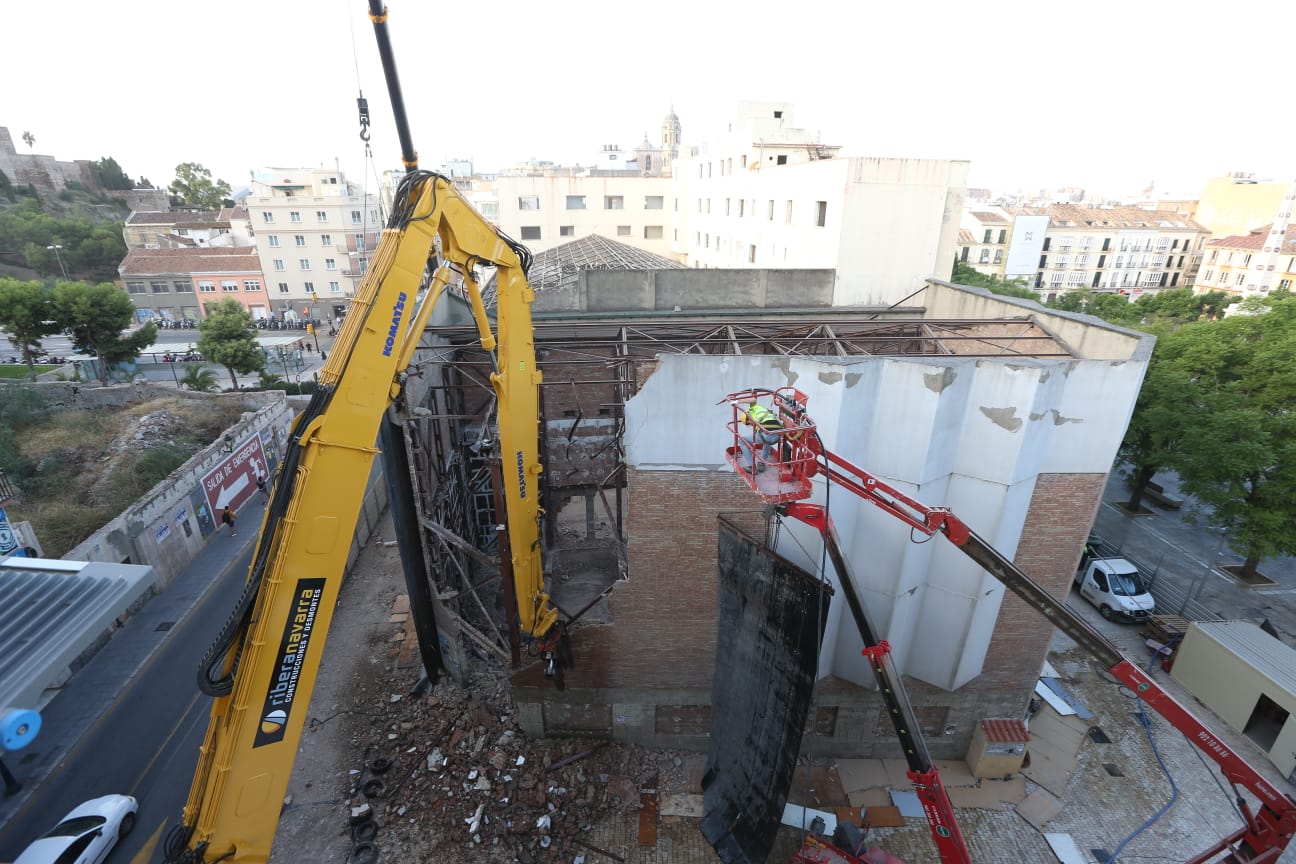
[(181, 284), (1124, 249), (1239, 264), (187, 229), (314, 232), (767, 194), (983, 241)]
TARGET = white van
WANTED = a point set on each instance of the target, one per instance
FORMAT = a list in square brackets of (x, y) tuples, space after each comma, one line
[(1116, 587)]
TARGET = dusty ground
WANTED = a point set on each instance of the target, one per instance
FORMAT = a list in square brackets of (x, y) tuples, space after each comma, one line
[(461, 781)]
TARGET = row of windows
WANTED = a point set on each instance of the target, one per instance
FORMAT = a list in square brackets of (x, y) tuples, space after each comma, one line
[(533, 232), (321, 216), (304, 264), (727, 165), (1117, 280), (610, 202), (1062, 262), (158, 286), (1246, 260), (1084, 244), (989, 232), (300, 239), (736, 247), (333, 287), (820, 209)]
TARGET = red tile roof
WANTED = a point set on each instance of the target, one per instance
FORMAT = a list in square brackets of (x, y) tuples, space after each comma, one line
[(987, 218), (1005, 730), (1256, 240), (146, 262)]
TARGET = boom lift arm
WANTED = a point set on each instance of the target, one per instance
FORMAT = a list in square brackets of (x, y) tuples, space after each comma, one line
[(263, 666), (799, 456)]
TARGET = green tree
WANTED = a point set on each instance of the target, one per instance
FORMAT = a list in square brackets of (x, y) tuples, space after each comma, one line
[(193, 187), (966, 274), (98, 315), (27, 313), (228, 337), (111, 175), (199, 379), (1240, 457), (30, 140)]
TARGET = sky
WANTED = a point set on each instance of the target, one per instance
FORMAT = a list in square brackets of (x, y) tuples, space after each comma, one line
[(1108, 96)]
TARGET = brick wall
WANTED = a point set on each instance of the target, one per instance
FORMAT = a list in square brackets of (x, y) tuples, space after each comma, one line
[(1057, 523)]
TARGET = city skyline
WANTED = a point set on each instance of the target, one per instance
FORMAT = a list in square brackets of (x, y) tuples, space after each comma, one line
[(274, 85)]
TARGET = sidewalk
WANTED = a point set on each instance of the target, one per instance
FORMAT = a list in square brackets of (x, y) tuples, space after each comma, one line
[(98, 684)]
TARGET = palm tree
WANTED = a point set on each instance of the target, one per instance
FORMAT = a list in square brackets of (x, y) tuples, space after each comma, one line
[(199, 378), (30, 140)]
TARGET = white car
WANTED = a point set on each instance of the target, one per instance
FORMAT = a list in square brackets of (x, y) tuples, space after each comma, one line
[(86, 835)]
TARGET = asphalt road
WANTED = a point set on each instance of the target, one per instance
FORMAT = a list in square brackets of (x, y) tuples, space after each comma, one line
[(145, 742)]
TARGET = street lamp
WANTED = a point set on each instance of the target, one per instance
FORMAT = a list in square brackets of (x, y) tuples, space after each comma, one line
[(60, 260)]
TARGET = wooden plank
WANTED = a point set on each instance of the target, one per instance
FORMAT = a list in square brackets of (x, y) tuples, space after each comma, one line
[(1065, 848), (883, 817), (648, 819)]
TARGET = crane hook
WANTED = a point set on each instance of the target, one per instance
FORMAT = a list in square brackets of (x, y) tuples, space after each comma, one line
[(363, 105)]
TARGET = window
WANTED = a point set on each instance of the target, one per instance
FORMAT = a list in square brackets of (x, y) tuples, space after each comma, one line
[(1077, 277), (283, 287), (1120, 262), (294, 216), (1223, 279), (1106, 244), (1241, 277), (652, 232), (355, 217), (623, 230), (751, 254), (998, 256), (335, 287), (653, 202), (575, 202), (182, 287), (278, 264), (612, 202), (303, 263), (530, 232), (1082, 260), (1208, 275), (1003, 234), (566, 230), (273, 239), (1163, 244), (771, 210), (1061, 262), (708, 205), (299, 239), (1213, 255), (1158, 260), (326, 239), (787, 213), (1086, 242), (1246, 260), (985, 257), (267, 216), (1064, 243), (207, 287), (986, 238), (726, 206), (529, 202), (321, 216), (310, 287), (1151, 279), (781, 159), (821, 213), (360, 242), (330, 264), (229, 286), (1284, 284), (1055, 280), (251, 285), (741, 207)]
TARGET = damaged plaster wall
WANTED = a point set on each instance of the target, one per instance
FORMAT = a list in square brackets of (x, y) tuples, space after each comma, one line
[(934, 427)]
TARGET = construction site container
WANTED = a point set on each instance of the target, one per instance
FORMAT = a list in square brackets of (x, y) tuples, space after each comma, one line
[(1248, 678), (998, 748)]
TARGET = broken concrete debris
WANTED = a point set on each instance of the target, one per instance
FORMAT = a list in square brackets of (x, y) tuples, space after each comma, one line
[(462, 782)]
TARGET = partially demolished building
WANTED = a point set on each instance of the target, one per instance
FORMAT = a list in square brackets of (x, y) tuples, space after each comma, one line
[(1008, 413)]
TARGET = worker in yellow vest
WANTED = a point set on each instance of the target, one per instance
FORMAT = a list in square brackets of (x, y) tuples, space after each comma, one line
[(765, 427)]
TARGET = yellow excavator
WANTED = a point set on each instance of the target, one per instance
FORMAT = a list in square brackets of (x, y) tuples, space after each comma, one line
[(263, 666)]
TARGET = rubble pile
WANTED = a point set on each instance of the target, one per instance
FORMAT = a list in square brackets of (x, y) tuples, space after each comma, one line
[(448, 775)]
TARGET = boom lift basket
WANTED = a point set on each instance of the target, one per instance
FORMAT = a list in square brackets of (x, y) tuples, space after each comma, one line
[(793, 459)]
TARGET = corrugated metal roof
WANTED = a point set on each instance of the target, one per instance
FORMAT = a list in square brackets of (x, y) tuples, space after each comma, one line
[(51, 611), (1269, 656)]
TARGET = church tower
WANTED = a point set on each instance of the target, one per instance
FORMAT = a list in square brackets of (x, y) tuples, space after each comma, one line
[(670, 139)]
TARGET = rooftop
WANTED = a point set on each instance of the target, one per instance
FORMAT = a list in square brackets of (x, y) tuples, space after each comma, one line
[(1255, 240), (146, 262)]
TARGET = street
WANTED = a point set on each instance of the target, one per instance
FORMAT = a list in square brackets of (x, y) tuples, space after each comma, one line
[(144, 729)]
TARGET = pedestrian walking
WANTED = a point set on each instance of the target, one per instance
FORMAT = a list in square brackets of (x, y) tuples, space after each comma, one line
[(227, 518), (261, 487), (323, 355)]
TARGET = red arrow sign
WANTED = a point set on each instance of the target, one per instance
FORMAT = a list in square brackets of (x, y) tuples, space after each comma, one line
[(233, 481)]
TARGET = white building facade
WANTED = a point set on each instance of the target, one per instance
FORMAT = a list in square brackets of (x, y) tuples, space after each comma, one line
[(314, 232)]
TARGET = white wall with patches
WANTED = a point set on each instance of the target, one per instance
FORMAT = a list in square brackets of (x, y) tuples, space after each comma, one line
[(972, 434)]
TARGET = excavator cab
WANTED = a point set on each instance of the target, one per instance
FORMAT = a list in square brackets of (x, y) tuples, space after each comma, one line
[(775, 446)]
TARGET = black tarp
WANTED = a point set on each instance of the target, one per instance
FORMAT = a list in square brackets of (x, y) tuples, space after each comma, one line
[(771, 620)]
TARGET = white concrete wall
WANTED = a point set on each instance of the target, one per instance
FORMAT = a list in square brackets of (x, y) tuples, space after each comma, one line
[(962, 432)]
